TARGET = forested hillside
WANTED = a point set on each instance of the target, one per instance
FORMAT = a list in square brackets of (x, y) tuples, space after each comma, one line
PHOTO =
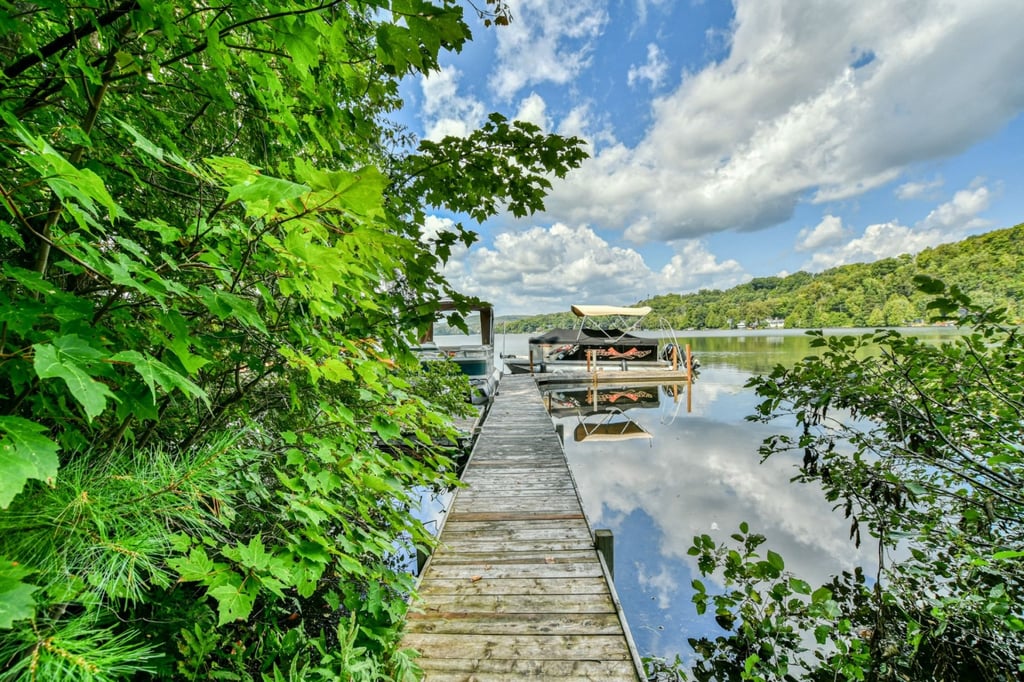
[(989, 267)]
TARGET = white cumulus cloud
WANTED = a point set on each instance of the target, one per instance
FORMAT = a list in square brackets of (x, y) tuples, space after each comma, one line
[(548, 41), (918, 190), (959, 215), (444, 110), (533, 109), (949, 222), (829, 231), (814, 102), (693, 267), (653, 71), (543, 269)]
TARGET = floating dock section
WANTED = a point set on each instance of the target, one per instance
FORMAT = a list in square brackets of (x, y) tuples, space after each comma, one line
[(517, 589)]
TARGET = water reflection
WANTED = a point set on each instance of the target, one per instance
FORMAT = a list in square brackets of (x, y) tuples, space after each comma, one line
[(575, 400), (698, 472), (693, 472), (613, 426)]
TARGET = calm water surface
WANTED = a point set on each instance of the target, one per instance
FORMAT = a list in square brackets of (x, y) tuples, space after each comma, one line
[(658, 466)]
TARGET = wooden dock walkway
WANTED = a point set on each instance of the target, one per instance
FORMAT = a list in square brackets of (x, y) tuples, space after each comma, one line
[(516, 588)]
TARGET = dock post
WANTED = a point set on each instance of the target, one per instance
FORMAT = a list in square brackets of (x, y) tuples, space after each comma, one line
[(604, 541), (689, 379)]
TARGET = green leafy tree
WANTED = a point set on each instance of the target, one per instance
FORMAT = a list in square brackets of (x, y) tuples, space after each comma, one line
[(211, 430), (920, 445), (776, 626), (876, 318), (898, 311)]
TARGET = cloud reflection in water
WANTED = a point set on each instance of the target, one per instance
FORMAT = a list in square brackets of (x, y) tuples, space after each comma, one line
[(699, 474)]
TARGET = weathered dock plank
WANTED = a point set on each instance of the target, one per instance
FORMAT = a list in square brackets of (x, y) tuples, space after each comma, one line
[(521, 570), (509, 586), (525, 503), (502, 670), (519, 603), (516, 588), (472, 545), (467, 623), (547, 647), (516, 531)]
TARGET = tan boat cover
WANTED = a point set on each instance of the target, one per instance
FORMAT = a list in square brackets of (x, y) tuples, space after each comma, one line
[(595, 310)]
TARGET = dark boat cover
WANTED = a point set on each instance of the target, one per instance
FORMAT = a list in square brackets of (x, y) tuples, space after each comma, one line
[(609, 344), (588, 400)]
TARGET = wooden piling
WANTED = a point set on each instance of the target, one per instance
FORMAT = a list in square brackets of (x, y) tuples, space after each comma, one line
[(604, 541)]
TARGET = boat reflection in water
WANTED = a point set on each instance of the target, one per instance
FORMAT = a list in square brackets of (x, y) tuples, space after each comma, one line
[(603, 412), (574, 399), (610, 429), (600, 411)]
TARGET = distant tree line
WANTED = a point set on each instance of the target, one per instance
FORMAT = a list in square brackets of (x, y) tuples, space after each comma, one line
[(989, 268)]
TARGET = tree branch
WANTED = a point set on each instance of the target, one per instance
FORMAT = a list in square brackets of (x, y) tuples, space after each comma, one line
[(228, 30), (56, 207), (69, 39)]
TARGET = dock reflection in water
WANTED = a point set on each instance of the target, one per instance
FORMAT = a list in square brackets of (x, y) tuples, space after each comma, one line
[(600, 411), (658, 465)]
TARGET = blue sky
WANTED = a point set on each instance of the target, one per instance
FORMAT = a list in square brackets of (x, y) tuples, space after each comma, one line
[(731, 140)]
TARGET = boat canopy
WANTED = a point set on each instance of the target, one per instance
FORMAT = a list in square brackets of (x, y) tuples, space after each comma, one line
[(486, 312), (597, 310)]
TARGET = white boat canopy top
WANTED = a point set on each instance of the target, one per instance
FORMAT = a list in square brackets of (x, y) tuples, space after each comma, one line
[(598, 310)]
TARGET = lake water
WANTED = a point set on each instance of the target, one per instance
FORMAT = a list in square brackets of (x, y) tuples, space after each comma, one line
[(687, 464)]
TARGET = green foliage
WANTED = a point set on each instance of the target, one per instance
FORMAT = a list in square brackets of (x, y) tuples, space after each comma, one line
[(777, 627), (27, 453), (989, 268), (15, 595), (211, 426), (505, 148), (447, 386), (920, 446)]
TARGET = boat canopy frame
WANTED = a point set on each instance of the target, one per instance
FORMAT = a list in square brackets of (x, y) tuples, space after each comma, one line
[(484, 310), (621, 313), (608, 310)]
